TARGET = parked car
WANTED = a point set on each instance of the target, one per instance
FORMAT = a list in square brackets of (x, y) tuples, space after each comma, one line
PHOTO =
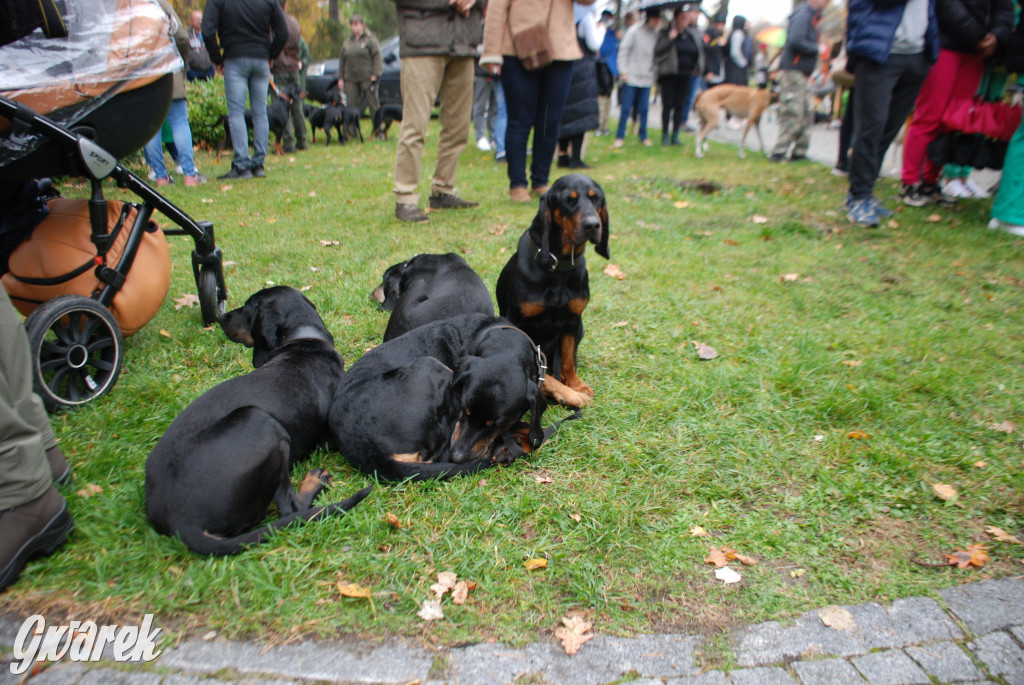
[(320, 76)]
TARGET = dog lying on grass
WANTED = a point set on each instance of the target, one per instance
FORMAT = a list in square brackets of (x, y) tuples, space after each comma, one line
[(229, 454)]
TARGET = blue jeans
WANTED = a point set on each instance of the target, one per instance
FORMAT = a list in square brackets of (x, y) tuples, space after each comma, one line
[(535, 100), (177, 119), (242, 76), (500, 121), (628, 96)]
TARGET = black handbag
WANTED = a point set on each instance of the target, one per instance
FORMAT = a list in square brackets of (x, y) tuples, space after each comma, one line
[(605, 80)]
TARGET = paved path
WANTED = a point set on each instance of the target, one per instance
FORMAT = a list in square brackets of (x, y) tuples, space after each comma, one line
[(971, 633)]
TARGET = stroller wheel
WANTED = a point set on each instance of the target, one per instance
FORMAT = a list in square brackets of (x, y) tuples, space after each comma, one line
[(211, 303), (77, 349)]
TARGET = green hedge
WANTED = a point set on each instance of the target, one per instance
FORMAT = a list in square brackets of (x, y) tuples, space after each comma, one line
[(206, 106)]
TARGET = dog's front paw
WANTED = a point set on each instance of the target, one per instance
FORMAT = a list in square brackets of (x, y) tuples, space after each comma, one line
[(315, 479)]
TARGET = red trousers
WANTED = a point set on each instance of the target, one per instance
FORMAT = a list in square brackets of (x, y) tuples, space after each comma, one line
[(955, 76)]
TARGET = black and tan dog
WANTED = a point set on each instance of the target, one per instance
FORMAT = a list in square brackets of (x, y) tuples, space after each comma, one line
[(544, 287), (229, 454), (438, 401), (277, 119), (382, 120), (430, 287), (343, 119)]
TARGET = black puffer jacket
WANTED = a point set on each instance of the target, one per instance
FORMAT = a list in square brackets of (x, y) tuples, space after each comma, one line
[(581, 112), (963, 23)]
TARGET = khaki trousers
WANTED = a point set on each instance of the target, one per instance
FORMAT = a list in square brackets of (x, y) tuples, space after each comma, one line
[(25, 432), (422, 79)]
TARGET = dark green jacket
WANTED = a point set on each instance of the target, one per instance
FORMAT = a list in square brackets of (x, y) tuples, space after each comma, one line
[(433, 27), (360, 58)]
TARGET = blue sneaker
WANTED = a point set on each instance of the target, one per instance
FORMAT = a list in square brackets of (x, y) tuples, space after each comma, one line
[(880, 209), (862, 213)]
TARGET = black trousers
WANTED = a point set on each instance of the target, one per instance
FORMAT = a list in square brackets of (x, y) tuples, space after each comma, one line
[(674, 90), (884, 98)]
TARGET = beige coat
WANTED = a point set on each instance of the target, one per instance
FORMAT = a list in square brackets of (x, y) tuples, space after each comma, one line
[(501, 22)]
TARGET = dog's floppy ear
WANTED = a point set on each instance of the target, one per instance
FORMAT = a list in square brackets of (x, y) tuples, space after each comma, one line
[(542, 225), (237, 326), (601, 247)]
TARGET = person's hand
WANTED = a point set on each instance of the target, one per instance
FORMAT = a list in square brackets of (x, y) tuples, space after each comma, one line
[(372, 78), (341, 84), (622, 76), (493, 69), (672, 33), (220, 68), (987, 45), (462, 6)]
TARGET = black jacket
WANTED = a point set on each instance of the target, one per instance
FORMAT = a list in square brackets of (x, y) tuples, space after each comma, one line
[(244, 28), (801, 49), (581, 111), (963, 23)]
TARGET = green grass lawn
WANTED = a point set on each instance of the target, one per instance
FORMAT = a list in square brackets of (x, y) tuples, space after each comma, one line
[(857, 368)]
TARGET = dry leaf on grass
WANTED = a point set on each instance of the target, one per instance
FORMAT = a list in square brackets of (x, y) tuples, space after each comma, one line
[(392, 520), (704, 351), (934, 218), (431, 610), (573, 633), (614, 271), (542, 477), (460, 592), (534, 564), (353, 590), (89, 490), (186, 300), (853, 362), (1002, 536), (789, 278), (758, 219), (716, 557), (727, 575), (682, 204), (1004, 427), (329, 243), (164, 333), (838, 618), (858, 435), (944, 492), (445, 582), (699, 532), (974, 555)]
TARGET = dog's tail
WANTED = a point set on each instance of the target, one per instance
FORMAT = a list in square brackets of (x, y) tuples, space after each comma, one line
[(201, 542), (443, 470)]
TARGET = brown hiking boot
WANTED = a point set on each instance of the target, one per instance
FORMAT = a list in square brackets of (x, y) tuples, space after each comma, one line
[(35, 528), (519, 194), (59, 466), (450, 201), (410, 212)]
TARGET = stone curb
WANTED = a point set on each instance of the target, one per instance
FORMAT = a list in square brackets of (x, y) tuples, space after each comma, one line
[(977, 637)]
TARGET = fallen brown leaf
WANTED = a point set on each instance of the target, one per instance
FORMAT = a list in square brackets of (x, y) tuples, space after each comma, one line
[(542, 477), (392, 520), (614, 271), (573, 633), (1004, 427), (534, 564), (354, 590), (838, 618), (944, 492), (89, 490), (853, 362), (934, 218), (704, 351), (699, 532), (186, 300), (445, 582), (974, 555), (716, 557), (430, 610), (858, 435), (460, 592), (758, 219), (1002, 536), (787, 278)]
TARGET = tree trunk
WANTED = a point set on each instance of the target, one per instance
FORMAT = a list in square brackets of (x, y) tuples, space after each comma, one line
[(332, 10)]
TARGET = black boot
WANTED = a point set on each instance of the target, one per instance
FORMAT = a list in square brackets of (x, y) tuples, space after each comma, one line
[(664, 138), (675, 138)]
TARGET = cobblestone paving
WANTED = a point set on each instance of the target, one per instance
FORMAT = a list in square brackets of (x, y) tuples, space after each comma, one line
[(970, 634)]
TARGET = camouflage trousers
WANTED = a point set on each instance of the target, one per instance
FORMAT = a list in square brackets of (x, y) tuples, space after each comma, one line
[(795, 117)]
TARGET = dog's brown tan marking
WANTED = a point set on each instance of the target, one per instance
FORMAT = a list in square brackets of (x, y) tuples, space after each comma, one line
[(412, 458), (578, 304), (529, 309), (563, 394), (569, 376)]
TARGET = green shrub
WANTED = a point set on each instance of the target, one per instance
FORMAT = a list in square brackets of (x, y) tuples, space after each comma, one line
[(206, 106)]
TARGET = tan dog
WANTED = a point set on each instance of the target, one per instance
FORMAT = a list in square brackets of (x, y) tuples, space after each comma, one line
[(739, 101)]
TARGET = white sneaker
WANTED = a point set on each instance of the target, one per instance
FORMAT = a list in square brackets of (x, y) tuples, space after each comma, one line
[(179, 169), (1009, 228), (975, 190), (956, 188), (483, 145)]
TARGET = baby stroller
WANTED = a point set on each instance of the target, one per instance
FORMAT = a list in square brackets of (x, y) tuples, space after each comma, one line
[(71, 106)]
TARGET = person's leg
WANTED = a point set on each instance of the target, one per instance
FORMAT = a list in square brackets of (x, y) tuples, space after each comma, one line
[(666, 84), (846, 134), (236, 81), (480, 101), (682, 92), (35, 516), (500, 120), (177, 115), (696, 86), (372, 98), (969, 70), (931, 104), (522, 90), (802, 140), (604, 106), (456, 114), (911, 73), (1008, 207), (791, 104), (576, 160), (352, 93), (627, 96), (875, 86), (554, 89), (420, 82), (643, 98), (154, 153), (288, 134), (259, 85)]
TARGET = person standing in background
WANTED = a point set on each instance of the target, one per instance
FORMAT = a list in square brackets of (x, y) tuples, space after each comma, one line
[(359, 66), (200, 66), (609, 54), (636, 69), (739, 53), (797, 61), (285, 69)]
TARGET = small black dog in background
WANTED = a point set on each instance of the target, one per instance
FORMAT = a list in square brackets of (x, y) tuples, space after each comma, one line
[(382, 120)]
